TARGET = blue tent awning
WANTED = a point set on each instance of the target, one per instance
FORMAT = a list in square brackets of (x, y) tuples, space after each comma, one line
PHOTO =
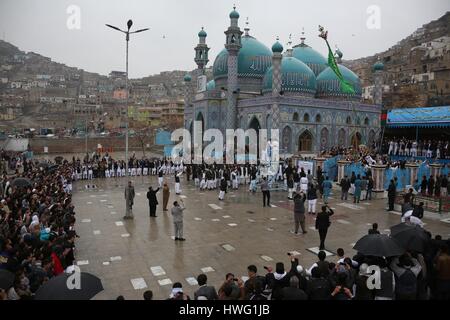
[(430, 117)]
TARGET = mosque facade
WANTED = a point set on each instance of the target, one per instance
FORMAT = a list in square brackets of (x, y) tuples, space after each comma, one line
[(293, 91)]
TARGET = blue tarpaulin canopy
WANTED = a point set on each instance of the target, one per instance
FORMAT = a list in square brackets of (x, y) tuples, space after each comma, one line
[(419, 117)]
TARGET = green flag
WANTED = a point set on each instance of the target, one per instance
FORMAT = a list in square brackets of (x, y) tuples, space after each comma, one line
[(346, 86)]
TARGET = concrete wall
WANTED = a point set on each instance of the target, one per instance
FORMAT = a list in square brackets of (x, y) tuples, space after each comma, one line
[(77, 145)]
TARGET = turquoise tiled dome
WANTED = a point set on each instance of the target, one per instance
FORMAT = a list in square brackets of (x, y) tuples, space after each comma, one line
[(277, 47), (187, 78), (202, 33), (234, 14), (313, 59), (253, 60), (295, 75), (328, 84), (378, 66)]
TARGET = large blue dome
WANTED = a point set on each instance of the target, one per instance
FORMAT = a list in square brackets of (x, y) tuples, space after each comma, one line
[(313, 59), (253, 60), (295, 77), (328, 84)]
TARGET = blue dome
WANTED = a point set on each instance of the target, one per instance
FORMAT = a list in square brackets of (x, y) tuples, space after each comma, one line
[(378, 66), (328, 84), (277, 47), (295, 77), (202, 33), (187, 78), (313, 59), (211, 85), (253, 60), (234, 14)]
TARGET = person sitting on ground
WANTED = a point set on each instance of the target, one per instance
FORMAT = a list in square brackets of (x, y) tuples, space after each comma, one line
[(209, 292), (232, 288), (148, 295), (322, 265), (318, 287), (406, 270), (177, 292), (374, 229), (253, 277), (418, 211), (341, 291), (293, 292), (277, 280)]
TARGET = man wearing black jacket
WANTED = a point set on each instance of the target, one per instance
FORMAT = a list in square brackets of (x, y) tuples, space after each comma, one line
[(152, 201), (323, 223), (391, 195), (345, 186)]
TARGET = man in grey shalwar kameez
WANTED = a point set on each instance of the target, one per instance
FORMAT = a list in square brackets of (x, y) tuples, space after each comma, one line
[(129, 201)]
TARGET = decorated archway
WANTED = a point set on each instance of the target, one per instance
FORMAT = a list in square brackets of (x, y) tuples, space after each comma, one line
[(305, 141)]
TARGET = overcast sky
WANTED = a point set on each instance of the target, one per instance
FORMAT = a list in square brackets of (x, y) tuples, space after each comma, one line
[(41, 26)]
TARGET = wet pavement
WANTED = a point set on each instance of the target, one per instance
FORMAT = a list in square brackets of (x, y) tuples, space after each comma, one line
[(131, 256)]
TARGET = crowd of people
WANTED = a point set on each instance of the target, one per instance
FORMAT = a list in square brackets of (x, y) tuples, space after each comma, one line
[(432, 148), (37, 231), (37, 226), (410, 276)]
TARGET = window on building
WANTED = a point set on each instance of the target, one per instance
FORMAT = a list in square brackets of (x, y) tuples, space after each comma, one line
[(349, 120), (295, 117), (366, 121), (306, 118), (318, 118)]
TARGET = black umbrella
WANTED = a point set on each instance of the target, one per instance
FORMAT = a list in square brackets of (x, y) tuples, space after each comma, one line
[(6, 279), (43, 165), (52, 168), (410, 237), (21, 183), (378, 245), (65, 287)]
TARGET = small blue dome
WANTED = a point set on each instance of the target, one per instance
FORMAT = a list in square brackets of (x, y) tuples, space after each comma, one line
[(378, 66), (202, 33), (234, 14), (187, 78), (295, 77), (277, 47), (211, 85)]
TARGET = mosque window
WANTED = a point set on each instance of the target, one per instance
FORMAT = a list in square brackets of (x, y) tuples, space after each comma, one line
[(295, 116), (366, 121), (349, 120), (318, 118), (306, 118)]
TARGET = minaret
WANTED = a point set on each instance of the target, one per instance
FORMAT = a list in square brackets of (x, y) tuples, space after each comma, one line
[(277, 50), (201, 52), (187, 90), (378, 68), (233, 45)]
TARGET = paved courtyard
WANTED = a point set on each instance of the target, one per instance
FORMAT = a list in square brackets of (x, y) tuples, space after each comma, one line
[(131, 256)]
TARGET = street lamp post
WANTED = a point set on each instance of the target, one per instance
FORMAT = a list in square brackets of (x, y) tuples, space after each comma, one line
[(127, 38)]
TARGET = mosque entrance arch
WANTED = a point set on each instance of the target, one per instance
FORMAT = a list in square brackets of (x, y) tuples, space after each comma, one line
[(324, 138), (356, 140), (255, 125), (305, 141)]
